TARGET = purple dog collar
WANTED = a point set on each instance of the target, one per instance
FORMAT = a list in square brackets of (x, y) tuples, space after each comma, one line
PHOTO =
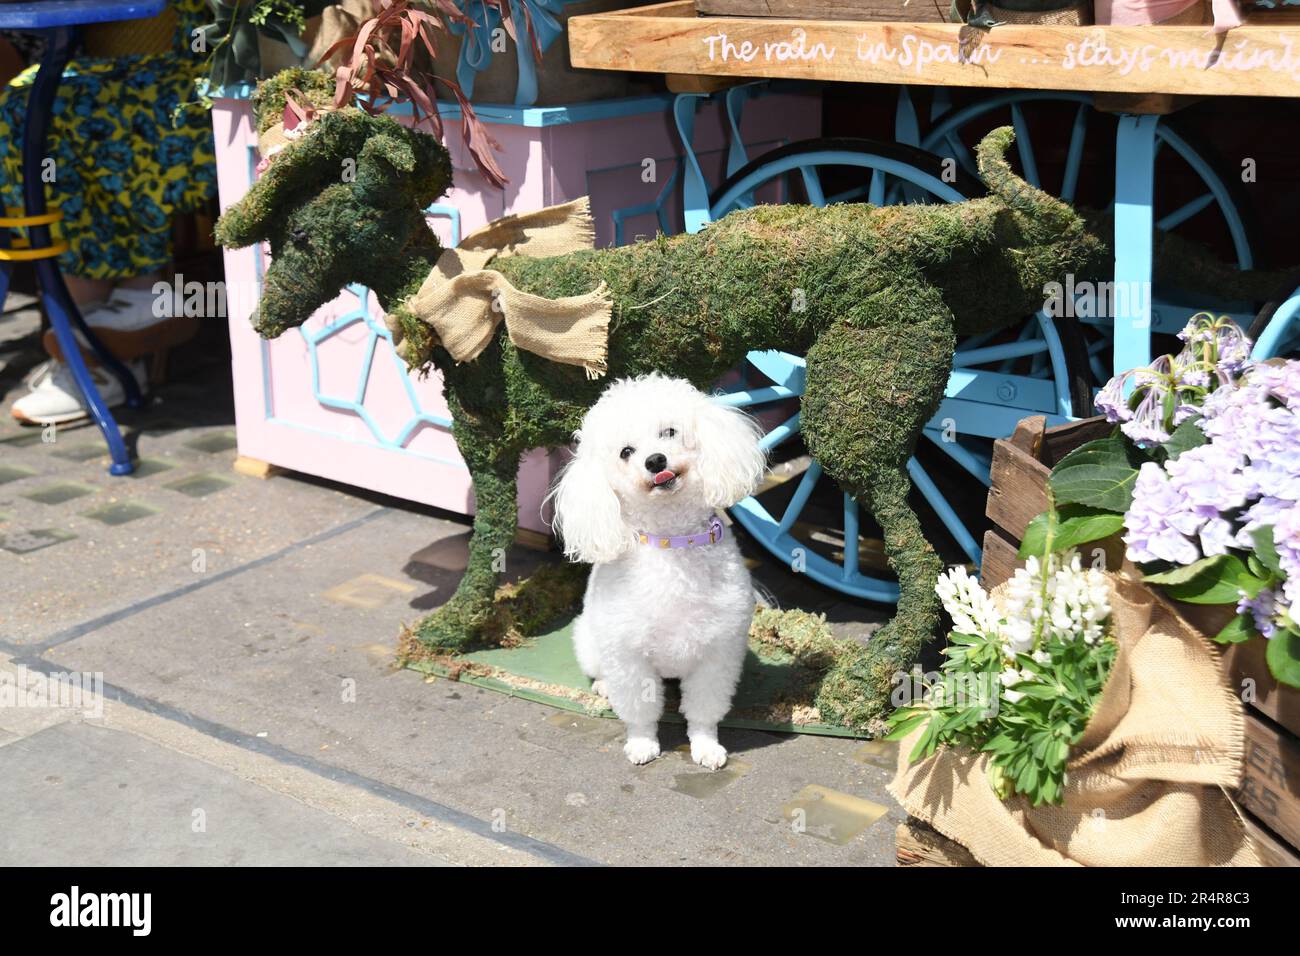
[(712, 536)]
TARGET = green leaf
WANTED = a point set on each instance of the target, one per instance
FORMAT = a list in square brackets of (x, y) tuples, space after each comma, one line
[(900, 728), (1283, 656), (1240, 628), (1099, 474), (1221, 580), (1185, 437), (1075, 525), (1266, 549), (1080, 525), (1185, 573), (1039, 535)]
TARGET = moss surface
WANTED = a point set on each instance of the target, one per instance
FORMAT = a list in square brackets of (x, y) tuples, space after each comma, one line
[(874, 296)]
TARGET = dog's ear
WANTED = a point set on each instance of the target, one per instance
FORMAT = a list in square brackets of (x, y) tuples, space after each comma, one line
[(730, 463), (588, 515), (299, 173), (402, 166)]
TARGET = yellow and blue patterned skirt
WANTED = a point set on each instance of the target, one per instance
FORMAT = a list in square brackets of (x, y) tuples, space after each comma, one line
[(122, 166)]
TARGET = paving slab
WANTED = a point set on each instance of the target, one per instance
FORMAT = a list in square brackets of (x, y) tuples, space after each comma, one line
[(299, 653), (82, 795), (246, 629), (82, 567)]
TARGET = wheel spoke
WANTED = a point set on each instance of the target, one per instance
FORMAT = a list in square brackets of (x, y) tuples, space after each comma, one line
[(850, 537), (1185, 212), (813, 184), (930, 491), (876, 193), (1024, 145), (780, 433), (1074, 158), (965, 358), (957, 150), (800, 498), (979, 466), (745, 397)]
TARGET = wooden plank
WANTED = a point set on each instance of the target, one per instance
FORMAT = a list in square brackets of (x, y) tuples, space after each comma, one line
[(1251, 676), (534, 540), (1274, 851), (1019, 490), (1271, 787), (999, 561), (1149, 104), (1253, 60), (1063, 439), (698, 83), (932, 11), (920, 845), (1028, 435), (256, 468)]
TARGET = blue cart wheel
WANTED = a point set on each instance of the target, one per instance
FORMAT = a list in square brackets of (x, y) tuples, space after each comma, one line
[(987, 401), (1276, 330), (1067, 119)]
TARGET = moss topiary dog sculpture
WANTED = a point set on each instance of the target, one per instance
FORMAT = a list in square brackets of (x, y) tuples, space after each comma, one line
[(875, 297)]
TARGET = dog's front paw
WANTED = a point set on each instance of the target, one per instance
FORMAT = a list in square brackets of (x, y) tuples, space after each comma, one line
[(641, 749), (709, 754), (599, 689)]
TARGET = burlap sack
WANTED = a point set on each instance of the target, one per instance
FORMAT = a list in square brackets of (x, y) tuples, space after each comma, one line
[(1147, 784), (1072, 15), (463, 300)]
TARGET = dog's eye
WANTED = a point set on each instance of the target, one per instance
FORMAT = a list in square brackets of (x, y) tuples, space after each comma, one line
[(668, 433), (626, 453)]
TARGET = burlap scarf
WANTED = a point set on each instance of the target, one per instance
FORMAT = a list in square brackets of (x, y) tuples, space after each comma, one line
[(463, 300), (1147, 783)]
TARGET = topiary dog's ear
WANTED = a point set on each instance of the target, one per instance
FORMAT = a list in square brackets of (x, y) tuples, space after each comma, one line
[(402, 166), (299, 171)]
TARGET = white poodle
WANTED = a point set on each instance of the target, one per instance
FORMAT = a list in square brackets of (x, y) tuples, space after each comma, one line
[(669, 595)]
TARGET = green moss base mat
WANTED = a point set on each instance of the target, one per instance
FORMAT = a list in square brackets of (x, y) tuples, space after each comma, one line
[(777, 688)]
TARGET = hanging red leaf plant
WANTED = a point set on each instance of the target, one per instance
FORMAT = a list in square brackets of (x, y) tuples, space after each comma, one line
[(380, 69)]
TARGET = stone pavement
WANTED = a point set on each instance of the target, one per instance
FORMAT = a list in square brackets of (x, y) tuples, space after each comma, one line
[(244, 632)]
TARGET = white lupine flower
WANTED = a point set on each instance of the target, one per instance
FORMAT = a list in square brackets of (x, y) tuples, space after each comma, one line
[(1071, 605), (969, 605), (1076, 607)]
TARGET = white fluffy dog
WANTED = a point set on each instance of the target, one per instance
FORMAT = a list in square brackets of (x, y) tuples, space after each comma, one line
[(669, 595)]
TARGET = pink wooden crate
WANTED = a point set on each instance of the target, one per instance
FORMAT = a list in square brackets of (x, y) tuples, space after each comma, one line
[(333, 399)]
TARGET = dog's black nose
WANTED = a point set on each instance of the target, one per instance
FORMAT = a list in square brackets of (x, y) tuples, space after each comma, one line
[(655, 464)]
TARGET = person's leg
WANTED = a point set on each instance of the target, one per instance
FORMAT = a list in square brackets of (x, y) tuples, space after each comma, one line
[(87, 292), (146, 281)]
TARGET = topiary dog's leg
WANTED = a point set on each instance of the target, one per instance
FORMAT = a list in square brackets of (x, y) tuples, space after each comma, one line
[(874, 379), (463, 620)]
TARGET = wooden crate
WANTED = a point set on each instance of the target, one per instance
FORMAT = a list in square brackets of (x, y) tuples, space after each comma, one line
[(901, 11), (919, 844), (1270, 791)]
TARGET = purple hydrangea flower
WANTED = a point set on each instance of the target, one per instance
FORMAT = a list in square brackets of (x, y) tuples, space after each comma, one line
[(1263, 610), (1154, 525)]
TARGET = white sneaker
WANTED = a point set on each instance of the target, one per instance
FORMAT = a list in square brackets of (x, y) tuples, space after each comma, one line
[(55, 398), (127, 310)]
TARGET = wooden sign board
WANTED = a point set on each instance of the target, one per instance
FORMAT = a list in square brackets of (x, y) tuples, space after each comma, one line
[(1253, 60)]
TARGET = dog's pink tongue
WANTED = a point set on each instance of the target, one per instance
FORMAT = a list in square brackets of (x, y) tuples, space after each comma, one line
[(664, 477)]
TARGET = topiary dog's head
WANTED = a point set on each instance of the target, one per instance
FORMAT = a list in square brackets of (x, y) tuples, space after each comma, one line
[(342, 203)]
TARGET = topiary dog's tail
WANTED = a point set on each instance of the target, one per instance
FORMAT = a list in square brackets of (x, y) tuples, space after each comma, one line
[(1044, 218)]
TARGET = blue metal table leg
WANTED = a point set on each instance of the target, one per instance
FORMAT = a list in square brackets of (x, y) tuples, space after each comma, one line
[(6, 268), (1135, 151), (62, 311)]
